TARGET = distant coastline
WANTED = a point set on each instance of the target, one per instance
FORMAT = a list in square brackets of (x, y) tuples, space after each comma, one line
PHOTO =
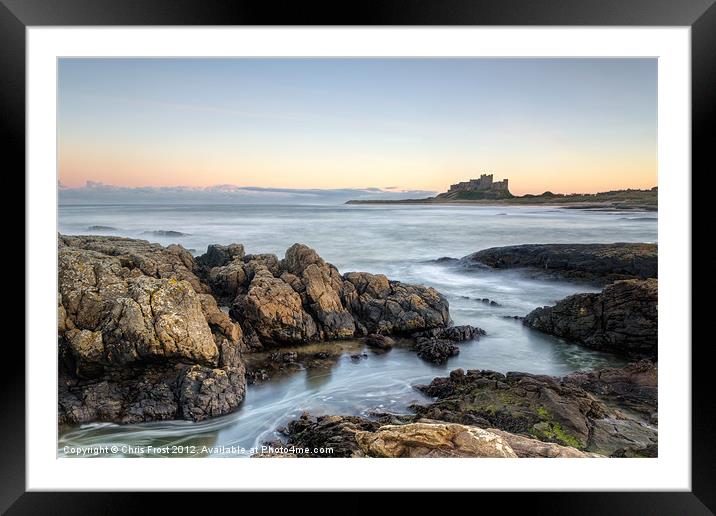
[(629, 199)]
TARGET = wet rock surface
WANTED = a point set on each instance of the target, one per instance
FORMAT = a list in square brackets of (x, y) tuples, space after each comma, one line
[(621, 319), (550, 409), (601, 263), (334, 432), (438, 344)]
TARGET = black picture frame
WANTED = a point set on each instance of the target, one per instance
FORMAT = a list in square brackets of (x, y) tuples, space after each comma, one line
[(699, 15)]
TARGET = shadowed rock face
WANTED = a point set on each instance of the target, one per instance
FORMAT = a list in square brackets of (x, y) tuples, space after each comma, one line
[(621, 319), (602, 263)]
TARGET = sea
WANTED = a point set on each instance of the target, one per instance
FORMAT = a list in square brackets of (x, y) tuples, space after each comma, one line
[(404, 242)]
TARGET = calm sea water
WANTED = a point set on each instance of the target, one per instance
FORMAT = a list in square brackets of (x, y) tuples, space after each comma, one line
[(399, 241)]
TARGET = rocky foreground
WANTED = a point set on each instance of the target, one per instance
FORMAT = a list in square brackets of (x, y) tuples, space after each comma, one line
[(607, 413), (142, 336), (148, 333)]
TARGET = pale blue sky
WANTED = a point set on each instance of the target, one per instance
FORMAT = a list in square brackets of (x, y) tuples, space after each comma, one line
[(573, 124)]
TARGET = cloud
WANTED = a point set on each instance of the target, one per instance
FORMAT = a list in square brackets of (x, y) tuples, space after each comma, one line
[(96, 192)]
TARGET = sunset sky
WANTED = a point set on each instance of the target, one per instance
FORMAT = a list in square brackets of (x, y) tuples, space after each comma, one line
[(565, 125)]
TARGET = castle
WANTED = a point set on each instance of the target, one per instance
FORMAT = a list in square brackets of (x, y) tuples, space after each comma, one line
[(484, 184)]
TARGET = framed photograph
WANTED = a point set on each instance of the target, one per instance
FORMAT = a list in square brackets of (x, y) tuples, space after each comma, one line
[(435, 247)]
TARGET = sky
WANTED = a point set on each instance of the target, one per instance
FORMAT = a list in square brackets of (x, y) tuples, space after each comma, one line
[(391, 127)]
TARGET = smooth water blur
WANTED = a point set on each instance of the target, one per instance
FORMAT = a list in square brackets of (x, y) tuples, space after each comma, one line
[(401, 242)]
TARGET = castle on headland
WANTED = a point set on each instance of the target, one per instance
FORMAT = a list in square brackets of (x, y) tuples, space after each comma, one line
[(484, 184)]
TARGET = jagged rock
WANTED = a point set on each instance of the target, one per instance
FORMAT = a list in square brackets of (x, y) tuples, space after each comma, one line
[(436, 345), (134, 334), (632, 387), (598, 262), (119, 317), (434, 439), (547, 408), (621, 319), (391, 307), (454, 333), (153, 260), (256, 261), (334, 432), (322, 284), (228, 335), (303, 298), (435, 350), (133, 314), (274, 310), (150, 392), (219, 255), (228, 281), (203, 393)]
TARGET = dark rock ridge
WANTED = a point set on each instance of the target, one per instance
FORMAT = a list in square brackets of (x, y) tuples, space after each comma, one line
[(602, 263), (621, 319), (611, 412), (142, 337), (437, 345)]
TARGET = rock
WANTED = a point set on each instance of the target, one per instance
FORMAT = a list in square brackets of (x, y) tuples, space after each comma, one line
[(150, 259), (151, 392), (119, 317), (228, 335), (395, 435), (528, 447), (322, 285), (258, 261), (390, 307), (134, 315), (603, 263), (542, 407), (621, 319), (136, 340), (633, 387), (379, 341), (274, 310), (434, 439), (435, 350), (436, 345), (453, 333), (203, 393), (302, 298), (228, 281), (219, 255), (334, 432)]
